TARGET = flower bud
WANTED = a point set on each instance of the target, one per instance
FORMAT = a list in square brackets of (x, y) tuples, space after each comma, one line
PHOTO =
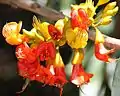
[(110, 12), (115, 10), (106, 20), (110, 6)]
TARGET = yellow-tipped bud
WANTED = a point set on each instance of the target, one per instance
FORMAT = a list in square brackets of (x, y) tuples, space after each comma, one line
[(115, 10), (78, 56), (110, 6), (106, 20), (110, 12)]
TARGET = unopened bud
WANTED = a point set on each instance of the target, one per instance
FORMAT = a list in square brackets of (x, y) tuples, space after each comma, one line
[(110, 12), (110, 6), (106, 20), (115, 10)]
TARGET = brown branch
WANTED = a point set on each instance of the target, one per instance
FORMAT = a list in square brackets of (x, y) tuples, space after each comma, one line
[(54, 15), (34, 7)]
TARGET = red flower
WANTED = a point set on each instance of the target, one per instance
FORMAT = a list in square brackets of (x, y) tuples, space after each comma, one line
[(60, 77), (79, 18), (46, 50), (56, 67), (54, 32), (79, 76), (28, 70), (102, 53), (24, 52)]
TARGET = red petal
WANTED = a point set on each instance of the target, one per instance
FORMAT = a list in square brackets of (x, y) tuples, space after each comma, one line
[(54, 33), (102, 53)]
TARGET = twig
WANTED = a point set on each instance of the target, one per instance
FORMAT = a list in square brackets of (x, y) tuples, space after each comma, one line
[(54, 15)]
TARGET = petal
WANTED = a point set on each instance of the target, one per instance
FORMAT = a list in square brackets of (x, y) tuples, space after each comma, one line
[(15, 40), (42, 27), (54, 32), (61, 23), (76, 38), (78, 56), (102, 53), (79, 76), (99, 37)]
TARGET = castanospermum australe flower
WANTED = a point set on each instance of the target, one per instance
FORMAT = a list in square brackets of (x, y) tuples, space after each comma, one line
[(42, 43)]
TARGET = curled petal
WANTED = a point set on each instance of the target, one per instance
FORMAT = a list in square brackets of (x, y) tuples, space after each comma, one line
[(102, 53)]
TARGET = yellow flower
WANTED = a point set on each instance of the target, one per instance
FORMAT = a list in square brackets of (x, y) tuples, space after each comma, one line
[(76, 38), (11, 32)]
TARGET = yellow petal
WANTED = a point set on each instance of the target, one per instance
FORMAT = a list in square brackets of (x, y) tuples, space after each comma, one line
[(78, 56), (60, 23), (76, 38), (43, 29), (58, 62), (19, 26), (101, 2), (10, 28), (14, 40), (30, 34), (99, 37), (70, 35)]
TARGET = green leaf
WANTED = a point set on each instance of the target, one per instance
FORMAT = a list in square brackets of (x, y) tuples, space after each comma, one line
[(116, 80)]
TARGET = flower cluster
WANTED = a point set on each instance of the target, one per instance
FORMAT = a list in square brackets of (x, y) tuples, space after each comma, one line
[(37, 50)]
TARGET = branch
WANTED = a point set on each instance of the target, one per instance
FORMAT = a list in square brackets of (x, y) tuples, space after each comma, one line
[(32, 6)]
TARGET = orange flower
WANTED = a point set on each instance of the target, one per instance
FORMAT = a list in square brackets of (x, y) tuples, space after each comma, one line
[(101, 52), (56, 67), (46, 50), (79, 76)]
